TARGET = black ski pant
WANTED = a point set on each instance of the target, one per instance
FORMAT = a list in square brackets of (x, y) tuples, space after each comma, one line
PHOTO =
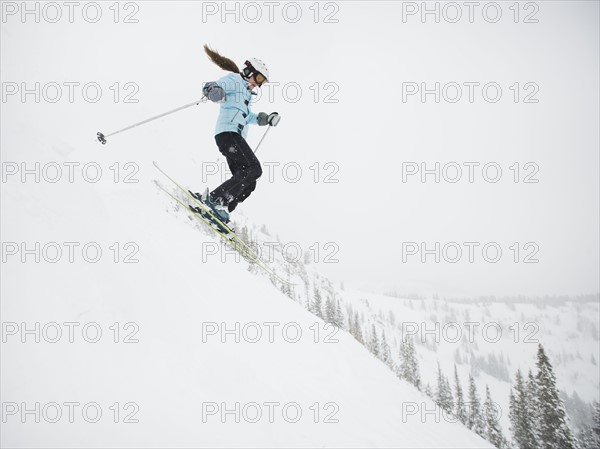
[(244, 166)]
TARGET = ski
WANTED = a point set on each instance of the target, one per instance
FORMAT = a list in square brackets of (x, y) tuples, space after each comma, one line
[(195, 213), (252, 258), (226, 232)]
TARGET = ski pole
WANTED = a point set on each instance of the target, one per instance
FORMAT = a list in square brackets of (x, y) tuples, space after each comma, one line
[(102, 137), (262, 138)]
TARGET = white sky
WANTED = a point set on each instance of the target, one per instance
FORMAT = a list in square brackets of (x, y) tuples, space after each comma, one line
[(369, 133)]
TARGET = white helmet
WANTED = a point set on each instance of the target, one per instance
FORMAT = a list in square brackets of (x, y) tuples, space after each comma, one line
[(254, 65)]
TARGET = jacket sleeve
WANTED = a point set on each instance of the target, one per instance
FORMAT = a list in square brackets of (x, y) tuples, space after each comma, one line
[(252, 118)]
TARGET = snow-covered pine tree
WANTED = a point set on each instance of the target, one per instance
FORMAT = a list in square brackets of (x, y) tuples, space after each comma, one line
[(596, 417), (493, 431), (459, 406), (339, 315), (443, 394), (449, 393), (307, 258), (402, 370), (351, 323), (409, 366), (330, 311), (413, 363), (515, 418), (286, 289), (385, 353), (586, 439), (307, 305), (522, 423), (374, 342), (554, 432), (475, 420), (428, 391), (533, 406), (589, 437), (244, 236), (358, 329), (317, 303)]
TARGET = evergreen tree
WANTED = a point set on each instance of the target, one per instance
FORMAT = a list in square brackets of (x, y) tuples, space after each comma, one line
[(448, 389), (514, 417), (443, 394), (330, 311), (589, 436), (287, 289), (493, 430), (351, 323), (428, 391), (317, 303), (533, 406), (522, 422), (475, 420), (244, 235), (409, 366), (358, 330), (596, 416), (587, 439), (339, 315), (307, 305), (414, 363), (386, 355), (459, 408), (554, 432), (374, 342)]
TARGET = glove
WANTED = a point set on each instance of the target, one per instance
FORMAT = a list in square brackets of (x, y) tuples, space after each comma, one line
[(262, 119), (213, 92), (268, 119), (273, 118)]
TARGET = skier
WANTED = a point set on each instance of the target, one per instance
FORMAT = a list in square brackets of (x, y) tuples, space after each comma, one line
[(234, 93)]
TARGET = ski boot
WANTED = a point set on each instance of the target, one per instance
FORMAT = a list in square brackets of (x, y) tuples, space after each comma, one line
[(217, 209)]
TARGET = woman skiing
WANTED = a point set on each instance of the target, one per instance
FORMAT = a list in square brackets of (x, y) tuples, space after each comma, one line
[(234, 93)]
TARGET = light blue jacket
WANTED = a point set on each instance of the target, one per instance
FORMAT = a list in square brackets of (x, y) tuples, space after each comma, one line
[(235, 114)]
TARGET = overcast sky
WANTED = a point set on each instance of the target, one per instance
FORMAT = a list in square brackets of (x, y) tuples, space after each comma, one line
[(354, 67)]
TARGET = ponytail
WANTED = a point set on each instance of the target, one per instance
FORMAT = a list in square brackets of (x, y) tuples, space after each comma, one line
[(223, 62)]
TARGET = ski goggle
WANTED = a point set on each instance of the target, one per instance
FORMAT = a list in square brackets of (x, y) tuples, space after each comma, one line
[(259, 78)]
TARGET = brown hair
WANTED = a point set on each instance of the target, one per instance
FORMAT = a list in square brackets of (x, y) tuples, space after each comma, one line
[(221, 61)]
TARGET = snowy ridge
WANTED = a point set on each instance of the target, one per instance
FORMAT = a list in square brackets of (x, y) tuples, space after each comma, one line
[(489, 340), (166, 300)]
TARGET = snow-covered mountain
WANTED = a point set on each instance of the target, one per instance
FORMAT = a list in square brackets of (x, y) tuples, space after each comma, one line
[(121, 318), (487, 338), (492, 340)]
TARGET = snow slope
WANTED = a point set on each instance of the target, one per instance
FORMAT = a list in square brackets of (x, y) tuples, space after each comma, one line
[(469, 334), (164, 301)]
